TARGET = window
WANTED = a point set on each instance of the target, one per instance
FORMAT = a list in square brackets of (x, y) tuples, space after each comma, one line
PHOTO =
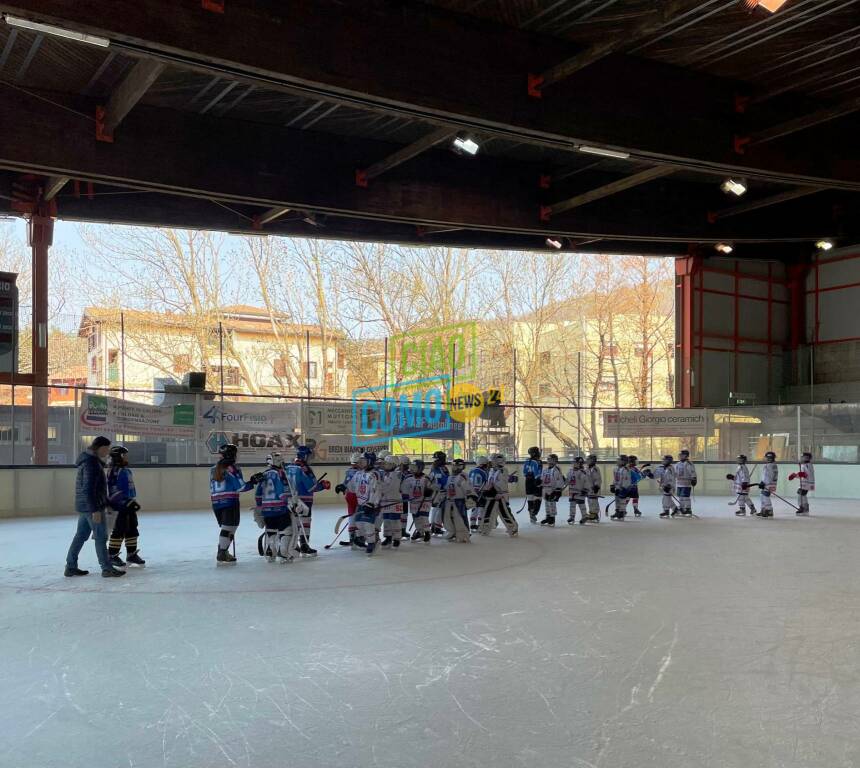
[(231, 374), (113, 367), (312, 370), (639, 350), (280, 367), (53, 435), (6, 434), (181, 364), (606, 384), (609, 350), (545, 358), (94, 363), (544, 389), (341, 360)]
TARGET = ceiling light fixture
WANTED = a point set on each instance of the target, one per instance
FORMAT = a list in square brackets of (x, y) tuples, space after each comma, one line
[(734, 186), (724, 248), (465, 145), (769, 5), (49, 29), (553, 243), (824, 245), (604, 152)]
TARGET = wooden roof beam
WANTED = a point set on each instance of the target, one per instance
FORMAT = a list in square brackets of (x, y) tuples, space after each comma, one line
[(765, 202), (364, 175), (124, 97)]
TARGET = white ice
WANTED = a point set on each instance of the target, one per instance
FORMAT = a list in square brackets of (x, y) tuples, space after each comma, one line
[(717, 642)]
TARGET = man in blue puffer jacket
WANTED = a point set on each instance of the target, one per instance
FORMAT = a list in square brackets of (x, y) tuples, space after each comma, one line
[(90, 504)]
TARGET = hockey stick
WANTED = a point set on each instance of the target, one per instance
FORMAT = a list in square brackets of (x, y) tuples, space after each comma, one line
[(338, 532), (796, 509), (692, 514)]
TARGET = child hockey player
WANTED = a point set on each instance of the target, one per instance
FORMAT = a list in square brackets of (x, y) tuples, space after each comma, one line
[(458, 487), (416, 488), (475, 500), (664, 476), (391, 501), (769, 479), (438, 475), (271, 496), (122, 499), (365, 485), (532, 471), (303, 484), (225, 485), (351, 503), (552, 484), (685, 480), (635, 476), (620, 487), (740, 486), (496, 494), (577, 481), (593, 483), (403, 472), (806, 475)]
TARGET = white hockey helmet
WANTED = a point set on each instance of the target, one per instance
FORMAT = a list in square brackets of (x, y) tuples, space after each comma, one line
[(388, 460), (354, 459), (498, 459), (274, 459), (403, 460), (482, 461)]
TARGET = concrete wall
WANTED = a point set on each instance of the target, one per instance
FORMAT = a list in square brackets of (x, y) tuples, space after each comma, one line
[(33, 492)]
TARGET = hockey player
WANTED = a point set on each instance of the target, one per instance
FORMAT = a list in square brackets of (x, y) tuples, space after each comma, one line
[(365, 485), (740, 485), (225, 485), (402, 473), (391, 500), (122, 499), (552, 484), (577, 481), (272, 495), (497, 496), (475, 500), (593, 483), (532, 471), (664, 476), (302, 484), (635, 476), (685, 480), (438, 475), (806, 475), (416, 488), (621, 487), (769, 479), (457, 488), (351, 503)]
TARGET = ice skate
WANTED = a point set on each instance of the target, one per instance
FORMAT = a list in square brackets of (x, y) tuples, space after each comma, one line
[(395, 543), (617, 516), (386, 542), (135, 559), (664, 515), (370, 548), (417, 535), (637, 513), (426, 537), (117, 562), (533, 519), (306, 549), (571, 521), (740, 513), (359, 543), (224, 557), (687, 513), (548, 521)]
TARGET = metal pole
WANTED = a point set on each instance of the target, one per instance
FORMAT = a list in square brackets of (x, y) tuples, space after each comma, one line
[(76, 422), (799, 443), (122, 349), (579, 401), (385, 369), (514, 401), (308, 362), (221, 367)]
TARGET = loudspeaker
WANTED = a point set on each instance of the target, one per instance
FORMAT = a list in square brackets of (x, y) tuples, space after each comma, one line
[(194, 381)]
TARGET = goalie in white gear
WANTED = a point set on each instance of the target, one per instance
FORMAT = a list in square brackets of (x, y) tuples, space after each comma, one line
[(455, 519), (475, 501), (273, 514), (497, 496), (577, 481), (741, 487), (552, 484)]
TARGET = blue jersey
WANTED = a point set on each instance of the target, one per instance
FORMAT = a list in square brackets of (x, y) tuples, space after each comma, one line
[(478, 479), (635, 476), (225, 492), (271, 494), (438, 476), (302, 480), (120, 487), (533, 467)]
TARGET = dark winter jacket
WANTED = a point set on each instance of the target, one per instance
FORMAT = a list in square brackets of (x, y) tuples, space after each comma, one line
[(90, 483)]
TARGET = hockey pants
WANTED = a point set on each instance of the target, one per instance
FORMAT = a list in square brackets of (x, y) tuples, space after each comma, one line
[(745, 501), (391, 525), (495, 509), (803, 499), (684, 499), (766, 500), (367, 520), (228, 519), (124, 529), (577, 501), (593, 506), (551, 508)]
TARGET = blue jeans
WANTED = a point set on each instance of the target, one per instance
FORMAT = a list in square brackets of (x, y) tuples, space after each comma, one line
[(86, 526)]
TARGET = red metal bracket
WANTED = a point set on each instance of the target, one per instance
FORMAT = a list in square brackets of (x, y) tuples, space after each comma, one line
[(361, 179), (101, 133), (544, 181), (534, 86), (545, 213), (712, 217), (256, 223), (215, 6), (741, 103), (740, 144)]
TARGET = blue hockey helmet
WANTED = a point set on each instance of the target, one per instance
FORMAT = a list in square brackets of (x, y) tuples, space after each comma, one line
[(370, 458), (303, 453)]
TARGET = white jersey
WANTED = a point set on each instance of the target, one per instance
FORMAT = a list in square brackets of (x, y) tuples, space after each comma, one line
[(498, 480), (552, 481), (807, 483), (365, 485), (389, 487), (593, 479), (412, 487), (770, 475), (685, 473), (577, 481), (665, 475), (742, 478), (621, 478), (458, 487)]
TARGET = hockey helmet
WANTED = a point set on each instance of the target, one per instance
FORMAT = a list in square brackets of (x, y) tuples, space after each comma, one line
[(403, 461), (621, 461), (591, 459), (482, 461), (354, 458), (578, 461), (632, 460), (742, 459), (388, 460), (806, 457), (369, 459), (303, 453), (552, 459), (684, 454), (118, 456), (457, 466), (275, 459), (417, 466), (534, 452), (498, 459), (228, 452), (770, 456), (439, 457), (668, 459)]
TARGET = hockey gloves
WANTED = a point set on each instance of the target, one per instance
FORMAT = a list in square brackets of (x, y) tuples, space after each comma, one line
[(132, 506), (667, 489), (257, 477), (730, 477), (340, 488), (693, 482)]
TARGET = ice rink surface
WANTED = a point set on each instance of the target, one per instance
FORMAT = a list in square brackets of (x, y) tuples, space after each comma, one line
[(682, 644)]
